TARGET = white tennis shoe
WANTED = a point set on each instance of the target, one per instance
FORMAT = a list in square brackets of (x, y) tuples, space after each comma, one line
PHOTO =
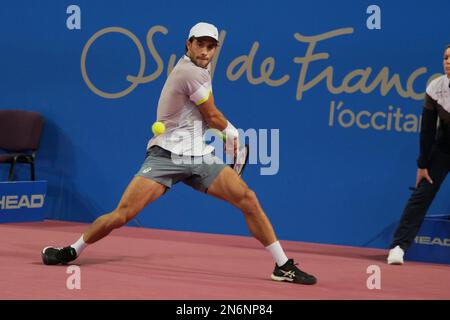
[(396, 255)]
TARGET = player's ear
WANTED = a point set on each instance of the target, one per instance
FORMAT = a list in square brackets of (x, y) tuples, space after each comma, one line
[(189, 43)]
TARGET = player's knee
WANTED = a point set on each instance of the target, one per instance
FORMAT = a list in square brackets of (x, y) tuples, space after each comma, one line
[(121, 216), (117, 220), (249, 201)]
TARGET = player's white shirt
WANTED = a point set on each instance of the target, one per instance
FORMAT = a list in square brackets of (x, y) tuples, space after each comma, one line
[(186, 87)]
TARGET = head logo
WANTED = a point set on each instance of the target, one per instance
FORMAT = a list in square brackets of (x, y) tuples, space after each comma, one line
[(443, 242), (25, 201)]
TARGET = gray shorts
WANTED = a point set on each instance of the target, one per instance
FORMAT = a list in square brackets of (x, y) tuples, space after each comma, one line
[(197, 172)]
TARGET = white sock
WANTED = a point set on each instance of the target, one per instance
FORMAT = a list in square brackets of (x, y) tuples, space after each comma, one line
[(79, 246), (277, 253)]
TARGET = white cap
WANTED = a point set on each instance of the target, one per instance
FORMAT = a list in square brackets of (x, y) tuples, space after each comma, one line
[(203, 29)]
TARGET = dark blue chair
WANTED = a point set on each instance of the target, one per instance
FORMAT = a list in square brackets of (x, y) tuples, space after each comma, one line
[(20, 133)]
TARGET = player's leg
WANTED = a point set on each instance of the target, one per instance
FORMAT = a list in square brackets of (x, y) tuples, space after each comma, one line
[(230, 187), (140, 192)]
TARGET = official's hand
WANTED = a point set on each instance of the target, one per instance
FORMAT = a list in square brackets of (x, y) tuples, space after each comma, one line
[(422, 174)]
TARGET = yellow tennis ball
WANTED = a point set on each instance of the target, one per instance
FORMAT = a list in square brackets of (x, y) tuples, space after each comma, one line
[(158, 128)]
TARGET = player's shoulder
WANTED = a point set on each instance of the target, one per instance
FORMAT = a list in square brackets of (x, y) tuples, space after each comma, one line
[(187, 70)]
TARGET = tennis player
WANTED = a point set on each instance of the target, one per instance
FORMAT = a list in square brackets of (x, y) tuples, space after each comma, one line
[(187, 99)]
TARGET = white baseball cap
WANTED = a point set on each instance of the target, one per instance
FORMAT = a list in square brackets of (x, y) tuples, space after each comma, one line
[(203, 29)]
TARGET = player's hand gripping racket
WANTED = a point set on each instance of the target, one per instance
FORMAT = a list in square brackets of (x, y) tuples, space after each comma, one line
[(241, 158)]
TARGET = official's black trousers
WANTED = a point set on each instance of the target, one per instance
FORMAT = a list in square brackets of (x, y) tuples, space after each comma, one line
[(420, 200)]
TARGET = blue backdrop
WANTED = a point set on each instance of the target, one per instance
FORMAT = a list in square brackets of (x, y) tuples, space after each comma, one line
[(342, 82)]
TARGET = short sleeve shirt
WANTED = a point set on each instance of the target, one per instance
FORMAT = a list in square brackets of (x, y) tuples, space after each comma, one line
[(186, 87)]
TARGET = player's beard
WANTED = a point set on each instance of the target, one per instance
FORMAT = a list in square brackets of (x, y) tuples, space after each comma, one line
[(203, 63)]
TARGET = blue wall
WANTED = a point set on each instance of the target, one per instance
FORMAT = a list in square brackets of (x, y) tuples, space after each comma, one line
[(337, 182)]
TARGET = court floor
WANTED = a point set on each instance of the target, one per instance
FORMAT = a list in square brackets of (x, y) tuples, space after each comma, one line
[(138, 263)]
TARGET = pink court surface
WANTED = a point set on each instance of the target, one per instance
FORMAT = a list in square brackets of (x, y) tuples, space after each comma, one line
[(138, 263)]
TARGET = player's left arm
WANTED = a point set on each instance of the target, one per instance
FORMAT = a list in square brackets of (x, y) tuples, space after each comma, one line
[(198, 88), (216, 120), (212, 115)]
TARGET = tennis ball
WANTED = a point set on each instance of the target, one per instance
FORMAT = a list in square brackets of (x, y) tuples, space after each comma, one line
[(158, 128)]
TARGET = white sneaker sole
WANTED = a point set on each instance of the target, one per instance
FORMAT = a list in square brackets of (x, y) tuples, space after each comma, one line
[(395, 262), (275, 278), (43, 250)]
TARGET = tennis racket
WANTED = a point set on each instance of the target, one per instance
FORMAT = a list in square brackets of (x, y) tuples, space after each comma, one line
[(241, 159)]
